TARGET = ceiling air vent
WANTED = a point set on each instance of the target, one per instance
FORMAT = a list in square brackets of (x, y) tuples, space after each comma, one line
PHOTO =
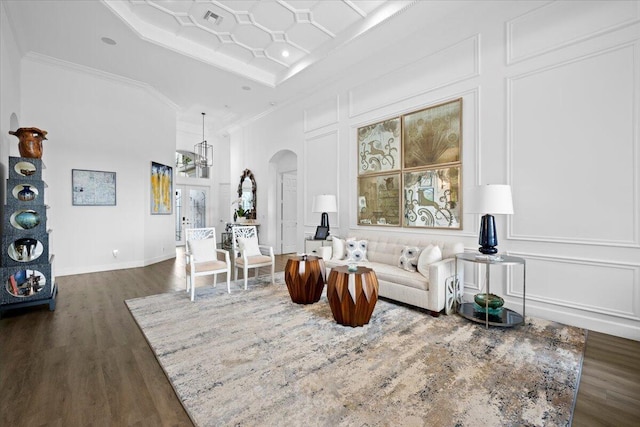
[(210, 16)]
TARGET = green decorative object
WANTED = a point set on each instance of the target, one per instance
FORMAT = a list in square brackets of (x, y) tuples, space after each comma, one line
[(494, 301)]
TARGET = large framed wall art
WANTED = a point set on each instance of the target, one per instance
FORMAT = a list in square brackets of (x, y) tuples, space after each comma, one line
[(409, 169), (161, 189), (93, 188)]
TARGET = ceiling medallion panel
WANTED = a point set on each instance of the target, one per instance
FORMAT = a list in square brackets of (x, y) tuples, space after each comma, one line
[(250, 30)]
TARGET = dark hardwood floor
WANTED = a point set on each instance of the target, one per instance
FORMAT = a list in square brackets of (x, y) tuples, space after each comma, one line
[(88, 364)]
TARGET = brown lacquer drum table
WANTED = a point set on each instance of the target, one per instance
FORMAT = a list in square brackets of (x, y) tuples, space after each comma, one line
[(305, 277), (352, 295)]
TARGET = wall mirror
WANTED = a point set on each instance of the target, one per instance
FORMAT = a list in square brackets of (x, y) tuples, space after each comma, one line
[(247, 193)]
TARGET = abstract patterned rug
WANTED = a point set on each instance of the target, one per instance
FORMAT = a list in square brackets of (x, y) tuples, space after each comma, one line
[(254, 358)]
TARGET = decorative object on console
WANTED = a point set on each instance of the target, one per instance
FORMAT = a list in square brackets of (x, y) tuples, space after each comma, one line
[(204, 155), (30, 144), (324, 203), (490, 200)]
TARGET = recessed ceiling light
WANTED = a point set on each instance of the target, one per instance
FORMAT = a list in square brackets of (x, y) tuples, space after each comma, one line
[(285, 53), (108, 41), (246, 87)]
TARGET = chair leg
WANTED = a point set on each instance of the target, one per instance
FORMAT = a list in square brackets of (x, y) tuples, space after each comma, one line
[(245, 274), (273, 269), (215, 279), (228, 283), (193, 288)]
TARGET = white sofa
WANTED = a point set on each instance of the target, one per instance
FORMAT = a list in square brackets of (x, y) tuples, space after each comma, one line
[(433, 288)]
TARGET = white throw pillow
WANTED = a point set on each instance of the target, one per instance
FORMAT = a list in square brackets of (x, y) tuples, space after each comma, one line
[(409, 258), (337, 248), (357, 250), (249, 246), (202, 250), (429, 255)]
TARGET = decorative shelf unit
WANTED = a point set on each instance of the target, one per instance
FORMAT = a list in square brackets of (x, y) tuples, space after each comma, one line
[(26, 266)]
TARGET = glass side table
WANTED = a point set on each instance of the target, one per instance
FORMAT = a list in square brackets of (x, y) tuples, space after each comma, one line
[(498, 317)]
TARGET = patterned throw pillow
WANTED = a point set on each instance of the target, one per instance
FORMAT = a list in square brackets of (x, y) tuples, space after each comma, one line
[(357, 250), (409, 258)]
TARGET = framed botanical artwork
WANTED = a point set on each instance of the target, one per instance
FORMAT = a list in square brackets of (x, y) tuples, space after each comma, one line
[(161, 189), (379, 200), (379, 147), (432, 198), (93, 188), (432, 136)]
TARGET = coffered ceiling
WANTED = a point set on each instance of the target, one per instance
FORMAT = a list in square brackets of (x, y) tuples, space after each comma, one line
[(222, 57), (265, 40)]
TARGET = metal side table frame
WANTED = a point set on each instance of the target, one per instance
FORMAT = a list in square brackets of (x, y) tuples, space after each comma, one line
[(504, 317)]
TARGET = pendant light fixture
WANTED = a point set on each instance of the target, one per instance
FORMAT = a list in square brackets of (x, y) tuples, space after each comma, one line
[(204, 155)]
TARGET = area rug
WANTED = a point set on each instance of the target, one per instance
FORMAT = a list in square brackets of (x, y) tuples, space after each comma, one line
[(254, 358)]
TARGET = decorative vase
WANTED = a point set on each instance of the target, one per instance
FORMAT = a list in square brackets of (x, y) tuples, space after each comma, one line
[(26, 194), (493, 301), (27, 219), (30, 144), (27, 243)]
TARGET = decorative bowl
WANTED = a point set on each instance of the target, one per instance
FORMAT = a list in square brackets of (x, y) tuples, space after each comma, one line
[(494, 301)]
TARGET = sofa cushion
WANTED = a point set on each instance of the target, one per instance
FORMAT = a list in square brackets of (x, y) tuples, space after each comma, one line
[(392, 274), (429, 255), (409, 258), (357, 250)]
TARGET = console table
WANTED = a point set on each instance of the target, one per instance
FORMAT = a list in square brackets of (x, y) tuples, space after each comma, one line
[(502, 316)]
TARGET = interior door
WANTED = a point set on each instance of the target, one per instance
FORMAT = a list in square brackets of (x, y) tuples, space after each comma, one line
[(289, 214), (190, 208)]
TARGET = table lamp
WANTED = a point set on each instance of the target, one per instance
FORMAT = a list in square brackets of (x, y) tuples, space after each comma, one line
[(324, 203), (490, 200)]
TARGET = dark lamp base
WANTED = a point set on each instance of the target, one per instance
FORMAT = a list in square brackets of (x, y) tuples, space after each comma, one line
[(488, 250)]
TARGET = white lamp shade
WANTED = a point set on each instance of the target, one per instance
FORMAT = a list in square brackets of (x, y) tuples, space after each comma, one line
[(491, 199), (324, 203)]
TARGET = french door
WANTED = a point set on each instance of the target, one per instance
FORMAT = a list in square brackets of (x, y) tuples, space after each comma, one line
[(191, 209)]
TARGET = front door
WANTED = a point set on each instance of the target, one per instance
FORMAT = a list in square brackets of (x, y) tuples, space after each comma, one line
[(191, 209)]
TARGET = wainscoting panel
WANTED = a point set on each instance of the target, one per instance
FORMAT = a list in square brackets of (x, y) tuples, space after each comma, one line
[(565, 23), (579, 182), (321, 176), (321, 115), (608, 288), (447, 66)]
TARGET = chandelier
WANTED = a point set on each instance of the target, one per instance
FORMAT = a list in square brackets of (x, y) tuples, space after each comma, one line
[(203, 155)]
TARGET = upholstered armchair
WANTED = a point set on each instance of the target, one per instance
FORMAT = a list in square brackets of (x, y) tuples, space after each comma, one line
[(203, 258), (248, 253)]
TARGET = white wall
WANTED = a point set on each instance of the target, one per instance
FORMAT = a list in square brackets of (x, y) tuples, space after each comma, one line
[(551, 95), (10, 99), (99, 122)]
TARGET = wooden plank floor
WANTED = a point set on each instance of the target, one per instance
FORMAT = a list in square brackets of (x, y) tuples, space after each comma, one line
[(87, 363)]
